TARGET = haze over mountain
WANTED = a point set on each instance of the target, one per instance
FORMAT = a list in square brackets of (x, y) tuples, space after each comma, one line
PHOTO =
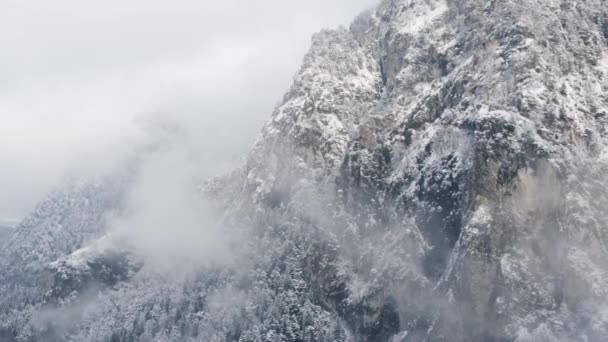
[(436, 172), (76, 77), (6, 229)]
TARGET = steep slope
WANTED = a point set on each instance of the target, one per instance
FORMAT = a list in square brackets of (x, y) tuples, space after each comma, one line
[(486, 140), (64, 222), (435, 173)]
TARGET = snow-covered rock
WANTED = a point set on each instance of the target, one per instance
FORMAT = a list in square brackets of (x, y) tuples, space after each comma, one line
[(437, 172)]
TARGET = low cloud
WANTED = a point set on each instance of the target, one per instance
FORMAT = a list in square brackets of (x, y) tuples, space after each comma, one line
[(74, 76), (166, 220)]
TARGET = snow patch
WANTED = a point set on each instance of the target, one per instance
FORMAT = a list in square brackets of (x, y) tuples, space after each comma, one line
[(481, 216), (79, 259), (421, 16), (604, 63)]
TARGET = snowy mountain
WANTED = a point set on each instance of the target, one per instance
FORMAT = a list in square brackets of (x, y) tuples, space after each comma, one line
[(436, 172)]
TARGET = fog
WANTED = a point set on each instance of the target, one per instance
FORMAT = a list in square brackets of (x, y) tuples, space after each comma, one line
[(167, 221), (77, 77)]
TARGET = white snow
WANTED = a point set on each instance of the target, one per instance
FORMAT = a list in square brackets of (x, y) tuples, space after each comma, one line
[(604, 64), (481, 216), (79, 258), (421, 16)]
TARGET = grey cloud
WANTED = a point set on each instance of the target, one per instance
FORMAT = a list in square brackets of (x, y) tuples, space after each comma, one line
[(74, 75)]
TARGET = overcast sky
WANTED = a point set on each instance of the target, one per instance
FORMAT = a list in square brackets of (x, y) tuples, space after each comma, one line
[(74, 74)]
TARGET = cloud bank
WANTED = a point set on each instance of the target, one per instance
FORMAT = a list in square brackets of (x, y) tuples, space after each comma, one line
[(74, 76)]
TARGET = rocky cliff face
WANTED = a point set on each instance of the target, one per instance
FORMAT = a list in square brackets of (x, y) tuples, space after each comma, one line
[(479, 128), (435, 173)]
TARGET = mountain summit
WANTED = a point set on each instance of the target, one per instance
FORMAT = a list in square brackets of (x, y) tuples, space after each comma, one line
[(436, 172)]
